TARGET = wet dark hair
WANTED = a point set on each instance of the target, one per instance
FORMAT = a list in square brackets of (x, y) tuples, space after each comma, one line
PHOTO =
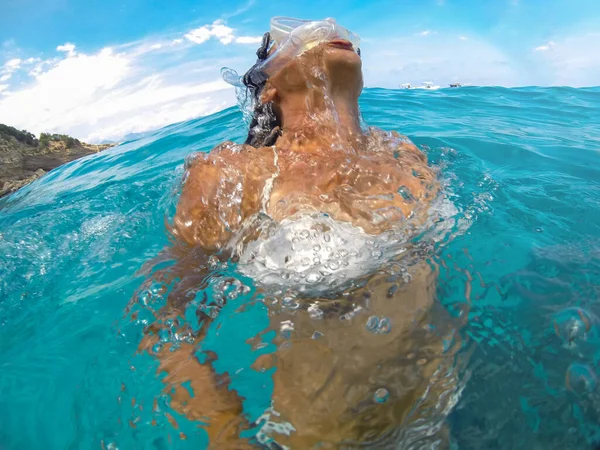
[(265, 126)]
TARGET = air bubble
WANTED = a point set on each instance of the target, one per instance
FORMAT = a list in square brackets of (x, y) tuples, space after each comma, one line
[(317, 248), (572, 324), (381, 395), (580, 379), (304, 234)]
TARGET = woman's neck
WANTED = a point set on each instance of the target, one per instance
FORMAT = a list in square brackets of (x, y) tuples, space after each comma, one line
[(318, 120)]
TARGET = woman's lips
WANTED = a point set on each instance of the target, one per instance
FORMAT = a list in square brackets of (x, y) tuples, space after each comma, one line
[(341, 43)]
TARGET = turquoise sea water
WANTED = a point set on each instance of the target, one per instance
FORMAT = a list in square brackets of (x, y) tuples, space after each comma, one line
[(522, 167)]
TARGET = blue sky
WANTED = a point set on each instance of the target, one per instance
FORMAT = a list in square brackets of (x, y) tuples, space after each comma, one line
[(100, 70)]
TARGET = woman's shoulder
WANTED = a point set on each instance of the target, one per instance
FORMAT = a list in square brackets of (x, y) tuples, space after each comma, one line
[(227, 154), (394, 143)]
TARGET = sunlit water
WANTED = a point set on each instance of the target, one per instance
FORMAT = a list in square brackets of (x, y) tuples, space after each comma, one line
[(519, 255)]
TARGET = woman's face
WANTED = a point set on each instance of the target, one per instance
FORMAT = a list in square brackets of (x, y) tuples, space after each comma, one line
[(333, 67)]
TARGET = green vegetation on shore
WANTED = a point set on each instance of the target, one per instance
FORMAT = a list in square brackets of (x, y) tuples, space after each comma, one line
[(24, 157)]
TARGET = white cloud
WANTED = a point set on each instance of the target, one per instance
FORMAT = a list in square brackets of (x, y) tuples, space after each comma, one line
[(248, 39), (573, 61), (10, 67), (217, 29), (412, 59), (3, 87), (110, 93), (131, 87), (220, 31), (544, 48), (425, 33), (12, 64), (463, 38), (67, 48)]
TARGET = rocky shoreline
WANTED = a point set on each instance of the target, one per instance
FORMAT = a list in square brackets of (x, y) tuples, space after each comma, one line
[(25, 158)]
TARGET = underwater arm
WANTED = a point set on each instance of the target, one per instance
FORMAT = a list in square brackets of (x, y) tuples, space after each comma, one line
[(202, 395), (205, 219)]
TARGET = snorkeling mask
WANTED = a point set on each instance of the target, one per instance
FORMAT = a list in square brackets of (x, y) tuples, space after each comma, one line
[(291, 38)]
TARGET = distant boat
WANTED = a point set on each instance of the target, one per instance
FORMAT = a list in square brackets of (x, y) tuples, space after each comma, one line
[(426, 85), (455, 85)]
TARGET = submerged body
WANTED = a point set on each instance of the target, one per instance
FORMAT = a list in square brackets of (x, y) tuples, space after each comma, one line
[(322, 219), (340, 344)]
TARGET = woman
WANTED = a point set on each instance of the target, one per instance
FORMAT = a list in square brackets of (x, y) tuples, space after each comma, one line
[(322, 214)]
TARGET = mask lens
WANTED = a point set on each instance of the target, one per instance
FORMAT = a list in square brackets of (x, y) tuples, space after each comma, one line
[(311, 32), (281, 27)]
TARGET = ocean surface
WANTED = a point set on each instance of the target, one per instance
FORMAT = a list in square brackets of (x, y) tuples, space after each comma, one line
[(522, 168)]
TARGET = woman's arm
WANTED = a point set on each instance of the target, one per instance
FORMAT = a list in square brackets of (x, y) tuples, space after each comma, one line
[(220, 190)]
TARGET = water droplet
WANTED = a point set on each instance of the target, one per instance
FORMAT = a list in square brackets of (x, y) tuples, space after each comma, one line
[(406, 194), (304, 234), (572, 324), (385, 326), (333, 265), (314, 312), (164, 335), (377, 254), (313, 277), (372, 324), (317, 335), (289, 302), (287, 327), (157, 347), (317, 248), (326, 238), (381, 395), (580, 379), (305, 261)]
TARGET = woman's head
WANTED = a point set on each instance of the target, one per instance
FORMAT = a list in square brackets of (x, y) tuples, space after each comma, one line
[(285, 80)]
